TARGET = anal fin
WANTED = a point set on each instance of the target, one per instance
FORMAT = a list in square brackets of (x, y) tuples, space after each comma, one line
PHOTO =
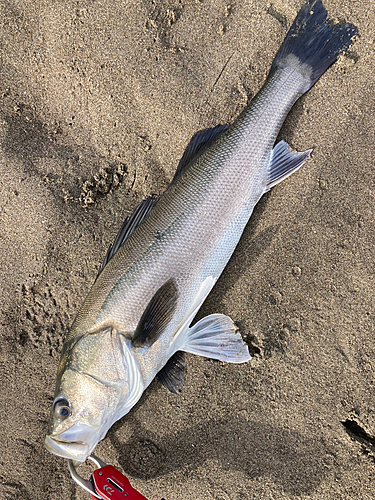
[(283, 163)]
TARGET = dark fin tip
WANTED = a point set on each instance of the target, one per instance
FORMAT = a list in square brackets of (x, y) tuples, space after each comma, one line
[(315, 40)]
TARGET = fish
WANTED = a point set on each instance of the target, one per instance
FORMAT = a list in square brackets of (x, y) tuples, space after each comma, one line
[(136, 322)]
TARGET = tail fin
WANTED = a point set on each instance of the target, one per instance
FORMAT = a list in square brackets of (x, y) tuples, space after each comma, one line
[(315, 41)]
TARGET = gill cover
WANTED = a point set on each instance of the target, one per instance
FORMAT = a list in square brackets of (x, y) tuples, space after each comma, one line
[(98, 381)]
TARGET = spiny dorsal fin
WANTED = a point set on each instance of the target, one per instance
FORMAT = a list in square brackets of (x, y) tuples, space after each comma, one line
[(173, 375), (128, 227), (198, 143), (283, 163), (157, 315)]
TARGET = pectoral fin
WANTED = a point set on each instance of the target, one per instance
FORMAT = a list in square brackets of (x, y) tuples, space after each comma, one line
[(173, 375), (217, 337), (157, 315)]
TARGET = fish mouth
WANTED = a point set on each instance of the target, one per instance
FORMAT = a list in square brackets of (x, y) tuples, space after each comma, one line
[(77, 451)]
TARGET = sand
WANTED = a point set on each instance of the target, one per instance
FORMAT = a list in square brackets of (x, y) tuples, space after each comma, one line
[(98, 101)]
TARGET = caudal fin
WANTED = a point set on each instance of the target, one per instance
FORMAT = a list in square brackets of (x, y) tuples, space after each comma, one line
[(315, 41)]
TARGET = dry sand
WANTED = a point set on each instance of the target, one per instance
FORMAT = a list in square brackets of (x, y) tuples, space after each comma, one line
[(98, 100)]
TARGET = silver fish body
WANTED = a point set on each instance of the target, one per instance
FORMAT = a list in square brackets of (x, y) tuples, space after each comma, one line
[(137, 314)]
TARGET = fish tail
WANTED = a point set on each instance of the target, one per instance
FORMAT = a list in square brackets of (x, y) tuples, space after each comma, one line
[(313, 42)]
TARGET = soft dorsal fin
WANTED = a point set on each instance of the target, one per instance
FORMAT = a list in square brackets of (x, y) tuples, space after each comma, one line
[(198, 143), (173, 375), (284, 162), (157, 315), (129, 225)]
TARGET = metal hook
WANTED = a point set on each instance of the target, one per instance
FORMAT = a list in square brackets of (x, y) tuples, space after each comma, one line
[(86, 484)]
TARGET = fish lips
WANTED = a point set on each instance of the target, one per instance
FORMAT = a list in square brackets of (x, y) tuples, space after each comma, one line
[(75, 443), (73, 451)]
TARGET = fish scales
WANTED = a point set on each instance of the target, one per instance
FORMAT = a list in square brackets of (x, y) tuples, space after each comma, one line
[(220, 191), (136, 318)]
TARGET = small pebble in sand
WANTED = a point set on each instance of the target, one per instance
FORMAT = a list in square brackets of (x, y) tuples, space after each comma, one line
[(296, 271), (275, 298)]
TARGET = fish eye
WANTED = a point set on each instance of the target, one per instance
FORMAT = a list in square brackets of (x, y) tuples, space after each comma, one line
[(62, 408)]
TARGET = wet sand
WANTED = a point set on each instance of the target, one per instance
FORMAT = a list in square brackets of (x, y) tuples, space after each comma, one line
[(98, 101)]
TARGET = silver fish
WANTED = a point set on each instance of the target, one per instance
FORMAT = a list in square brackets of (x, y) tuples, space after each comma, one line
[(135, 321)]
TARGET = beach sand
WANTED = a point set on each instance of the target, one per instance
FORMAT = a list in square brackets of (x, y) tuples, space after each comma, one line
[(98, 101)]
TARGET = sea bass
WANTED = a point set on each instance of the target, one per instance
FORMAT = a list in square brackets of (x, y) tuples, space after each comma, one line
[(135, 322)]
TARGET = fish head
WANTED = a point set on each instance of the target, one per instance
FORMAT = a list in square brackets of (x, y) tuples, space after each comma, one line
[(79, 415), (98, 382)]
